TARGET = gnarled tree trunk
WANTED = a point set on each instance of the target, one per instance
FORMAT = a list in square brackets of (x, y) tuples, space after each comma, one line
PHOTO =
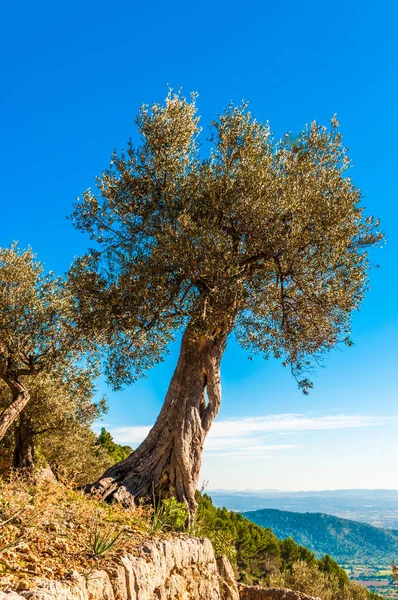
[(24, 454), (168, 461), (20, 398)]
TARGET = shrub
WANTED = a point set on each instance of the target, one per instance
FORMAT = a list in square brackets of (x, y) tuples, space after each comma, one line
[(169, 515)]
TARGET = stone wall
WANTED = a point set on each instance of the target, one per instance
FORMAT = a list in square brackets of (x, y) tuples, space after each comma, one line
[(172, 569)]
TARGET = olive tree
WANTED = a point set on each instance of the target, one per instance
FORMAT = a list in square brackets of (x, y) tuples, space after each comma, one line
[(36, 328), (61, 405), (261, 237)]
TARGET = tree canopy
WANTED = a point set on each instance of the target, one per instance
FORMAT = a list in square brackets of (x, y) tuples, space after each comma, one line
[(266, 235), (37, 331)]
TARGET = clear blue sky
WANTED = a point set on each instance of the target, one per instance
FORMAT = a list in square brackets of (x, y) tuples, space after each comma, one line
[(73, 76)]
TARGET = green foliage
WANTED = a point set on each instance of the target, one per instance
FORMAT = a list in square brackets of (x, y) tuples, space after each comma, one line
[(394, 571), (327, 565), (374, 596), (60, 414), (258, 550), (343, 539), (75, 456), (37, 330), (261, 558), (114, 451), (168, 515), (222, 541), (206, 525), (264, 238), (35, 316), (289, 551), (312, 580)]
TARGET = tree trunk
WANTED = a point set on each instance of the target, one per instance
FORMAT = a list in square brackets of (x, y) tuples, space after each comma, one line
[(20, 398), (168, 461), (24, 455)]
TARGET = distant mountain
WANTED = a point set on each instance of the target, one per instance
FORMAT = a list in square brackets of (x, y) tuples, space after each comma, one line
[(343, 539), (376, 507)]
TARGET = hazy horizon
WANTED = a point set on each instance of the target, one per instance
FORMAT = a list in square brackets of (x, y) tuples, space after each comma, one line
[(280, 491)]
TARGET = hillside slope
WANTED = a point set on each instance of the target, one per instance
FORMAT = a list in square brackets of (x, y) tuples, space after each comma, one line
[(376, 507), (342, 539), (53, 534)]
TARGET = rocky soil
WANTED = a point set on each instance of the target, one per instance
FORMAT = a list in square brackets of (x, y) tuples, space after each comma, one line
[(182, 568)]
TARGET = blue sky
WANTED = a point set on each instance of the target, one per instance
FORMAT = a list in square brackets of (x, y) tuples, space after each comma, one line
[(73, 77)]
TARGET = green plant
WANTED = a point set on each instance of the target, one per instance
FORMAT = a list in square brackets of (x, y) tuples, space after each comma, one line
[(168, 515), (222, 540), (115, 451), (99, 542)]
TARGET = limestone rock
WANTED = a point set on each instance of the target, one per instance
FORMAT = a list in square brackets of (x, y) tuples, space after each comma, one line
[(10, 596), (253, 592), (179, 568), (73, 588), (229, 588), (99, 585)]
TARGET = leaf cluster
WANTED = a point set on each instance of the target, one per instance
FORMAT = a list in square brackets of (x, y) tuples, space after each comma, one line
[(115, 451), (36, 317), (262, 237), (168, 515)]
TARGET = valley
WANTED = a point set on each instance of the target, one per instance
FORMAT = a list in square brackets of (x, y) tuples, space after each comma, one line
[(355, 527)]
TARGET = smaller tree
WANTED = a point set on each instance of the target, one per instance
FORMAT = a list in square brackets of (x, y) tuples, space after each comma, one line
[(114, 450), (36, 328), (76, 456), (394, 572), (327, 565), (312, 580), (55, 427)]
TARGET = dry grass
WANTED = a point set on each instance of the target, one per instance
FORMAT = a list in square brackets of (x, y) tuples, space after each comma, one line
[(48, 529)]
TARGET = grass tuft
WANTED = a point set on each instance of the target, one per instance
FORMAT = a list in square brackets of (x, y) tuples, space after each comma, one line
[(100, 542)]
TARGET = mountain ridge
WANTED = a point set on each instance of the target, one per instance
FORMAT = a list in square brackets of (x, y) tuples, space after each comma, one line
[(376, 507), (343, 539)]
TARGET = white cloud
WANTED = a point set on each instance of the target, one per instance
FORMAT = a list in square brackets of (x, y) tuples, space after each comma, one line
[(126, 435), (286, 423), (245, 437), (251, 450)]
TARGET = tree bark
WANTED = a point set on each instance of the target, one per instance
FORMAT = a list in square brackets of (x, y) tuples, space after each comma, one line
[(168, 461), (24, 454), (20, 398)]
